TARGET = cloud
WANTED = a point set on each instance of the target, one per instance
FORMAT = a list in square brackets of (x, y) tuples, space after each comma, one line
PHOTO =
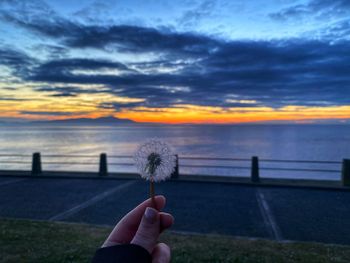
[(195, 15), (81, 63), (46, 113), (272, 73), (16, 60), (68, 91), (189, 68), (318, 8), (109, 12), (119, 106), (124, 38), (13, 99), (95, 12), (335, 32), (59, 91), (9, 88), (26, 9)]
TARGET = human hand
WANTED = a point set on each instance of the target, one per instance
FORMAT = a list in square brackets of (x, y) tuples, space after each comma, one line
[(142, 226)]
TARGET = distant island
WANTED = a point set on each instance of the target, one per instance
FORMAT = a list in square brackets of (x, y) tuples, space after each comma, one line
[(110, 120), (103, 121)]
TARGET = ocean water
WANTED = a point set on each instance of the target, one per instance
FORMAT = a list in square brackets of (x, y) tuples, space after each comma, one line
[(281, 142)]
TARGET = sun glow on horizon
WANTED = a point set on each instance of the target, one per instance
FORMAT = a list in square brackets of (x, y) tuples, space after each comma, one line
[(88, 107), (31, 104), (217, 115)]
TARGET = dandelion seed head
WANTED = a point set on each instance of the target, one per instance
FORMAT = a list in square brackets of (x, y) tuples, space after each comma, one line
[(155, 160)]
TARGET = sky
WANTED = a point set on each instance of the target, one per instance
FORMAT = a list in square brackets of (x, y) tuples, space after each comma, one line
[(184, 61)]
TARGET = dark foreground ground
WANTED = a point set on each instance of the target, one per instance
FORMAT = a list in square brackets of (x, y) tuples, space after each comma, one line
[(278, 213), (24, 240)]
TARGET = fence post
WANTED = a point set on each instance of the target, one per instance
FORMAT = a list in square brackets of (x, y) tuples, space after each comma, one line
[(255, 170), (175, 174), (103, 165), (345, 173), (36, 164)]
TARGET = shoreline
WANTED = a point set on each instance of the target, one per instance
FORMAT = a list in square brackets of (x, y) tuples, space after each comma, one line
[(268, 182)]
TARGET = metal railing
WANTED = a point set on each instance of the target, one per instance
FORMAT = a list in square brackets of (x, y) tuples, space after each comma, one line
[(252, 164)]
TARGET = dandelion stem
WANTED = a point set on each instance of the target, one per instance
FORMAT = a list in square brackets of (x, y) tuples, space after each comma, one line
[(151, 193)]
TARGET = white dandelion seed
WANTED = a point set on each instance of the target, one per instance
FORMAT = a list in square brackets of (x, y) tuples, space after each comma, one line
[(155, 160)]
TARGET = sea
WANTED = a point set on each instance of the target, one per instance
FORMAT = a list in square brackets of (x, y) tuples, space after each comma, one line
[(77, 148)]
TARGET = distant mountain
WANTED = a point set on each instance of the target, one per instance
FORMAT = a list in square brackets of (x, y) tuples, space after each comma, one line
[(87, 121), (12, 121)]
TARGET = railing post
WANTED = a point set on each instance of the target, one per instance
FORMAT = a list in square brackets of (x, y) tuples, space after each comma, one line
[(36, 164), (175, 174), (103, 165), (345, 172), (255, 170)]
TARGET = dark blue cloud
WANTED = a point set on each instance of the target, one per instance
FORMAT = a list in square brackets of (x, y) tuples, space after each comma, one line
[(69, 91), (88, 64), (120, 37), (17, 60), (59, 91), (274, 74)]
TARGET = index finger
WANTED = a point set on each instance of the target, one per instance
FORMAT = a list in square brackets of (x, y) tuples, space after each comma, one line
[(125, 230)]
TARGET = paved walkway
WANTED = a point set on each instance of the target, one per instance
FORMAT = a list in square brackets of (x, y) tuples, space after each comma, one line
[(269, 212)]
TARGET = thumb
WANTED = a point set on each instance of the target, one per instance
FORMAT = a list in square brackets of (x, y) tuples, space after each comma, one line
[(148, 231), (161, 253)]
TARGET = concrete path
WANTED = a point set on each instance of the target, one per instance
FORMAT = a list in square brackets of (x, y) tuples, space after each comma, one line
[(278, 213)]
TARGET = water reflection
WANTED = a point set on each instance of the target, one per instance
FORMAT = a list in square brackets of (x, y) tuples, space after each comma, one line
[(299, 142)]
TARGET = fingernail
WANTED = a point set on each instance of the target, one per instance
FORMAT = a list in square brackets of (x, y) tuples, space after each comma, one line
[(151, 215)]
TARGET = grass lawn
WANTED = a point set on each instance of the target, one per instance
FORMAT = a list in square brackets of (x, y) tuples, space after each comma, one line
[(33, 241)]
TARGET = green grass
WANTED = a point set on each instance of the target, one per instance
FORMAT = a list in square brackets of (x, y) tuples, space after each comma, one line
[(33, 241)]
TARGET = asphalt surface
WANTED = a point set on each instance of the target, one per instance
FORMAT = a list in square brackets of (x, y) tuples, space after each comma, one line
[(279, 213)]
